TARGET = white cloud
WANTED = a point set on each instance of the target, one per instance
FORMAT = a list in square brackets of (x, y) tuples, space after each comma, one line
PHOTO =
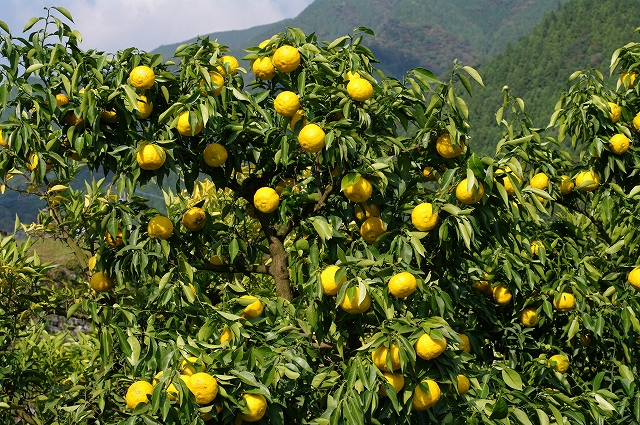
[(112, 25)]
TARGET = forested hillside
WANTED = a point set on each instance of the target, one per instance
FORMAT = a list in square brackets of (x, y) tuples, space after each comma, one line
[(409, 33), (581, 34)]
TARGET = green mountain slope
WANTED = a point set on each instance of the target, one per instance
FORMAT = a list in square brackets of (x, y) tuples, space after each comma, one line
[(409, 33), (582, 33)]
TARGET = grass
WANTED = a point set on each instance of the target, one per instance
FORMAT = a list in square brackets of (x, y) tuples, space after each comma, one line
[(56, 251)]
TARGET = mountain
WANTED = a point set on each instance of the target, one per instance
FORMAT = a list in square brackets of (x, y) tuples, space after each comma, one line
[(580, 34), (409, 33)]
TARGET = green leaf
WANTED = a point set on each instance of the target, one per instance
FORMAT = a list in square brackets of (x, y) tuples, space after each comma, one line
[(425, 76), (543, 417), (625, 372), (521, 416), (31, 23), (365, 30), (234, 248), (615, 247), (473, 74), (322, 227), (64, 11), (500, 409), (512, 378), (33, 68)]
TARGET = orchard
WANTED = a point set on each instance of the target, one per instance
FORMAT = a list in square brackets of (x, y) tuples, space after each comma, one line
[(331, 250)]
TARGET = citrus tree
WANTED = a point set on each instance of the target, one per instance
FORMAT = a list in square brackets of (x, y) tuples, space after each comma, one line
[(330, 249)]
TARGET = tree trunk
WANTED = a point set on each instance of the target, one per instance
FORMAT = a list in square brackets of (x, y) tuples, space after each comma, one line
[(278, 268)]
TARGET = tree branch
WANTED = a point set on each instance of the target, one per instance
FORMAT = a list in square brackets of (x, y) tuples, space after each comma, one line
[(597, 223)]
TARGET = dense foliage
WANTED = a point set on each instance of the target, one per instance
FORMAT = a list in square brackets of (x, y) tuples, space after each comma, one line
[(580, 34), (497, 257)]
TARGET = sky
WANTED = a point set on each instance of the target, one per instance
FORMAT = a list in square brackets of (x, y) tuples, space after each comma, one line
[(112, 25)]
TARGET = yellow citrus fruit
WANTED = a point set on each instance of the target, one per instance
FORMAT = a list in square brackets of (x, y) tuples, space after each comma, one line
[(327, 279), (142, 77), (61, 100), (160, 227), (253, 310), (502, 295), (137, 393), (266, 200), (286, 103), (423, 400), (144, 107), (566, 302), (566, 185), (359, 89), (311, 138), (71, 119), (428, 348), (187, 366), (619, 144), (445, 147), (562, 362), (171, 390), (484, 287), (529, 317), (636, 121), (634, 278), (540, 181), (231, 62), (589, 179), (118, 240), (368, 211), (263, 68), (402, 285), (463, 384), (465, 345), (102, 282), (3, 143), (286, 58), (360, 191), (203, 386), (350, 301), (32, 164), (184, 127), (151, 157), (217, 80), (423, 218), (215, 155), (506, 181), (395, 379), (615, 112), (215, 260), (226, 335), (535, 246), (299, 115), (628, 78), (379, 357), (110, 116), (474, 196), (194, 219), (351, 76), (371, 229), (256, 407), (429, 173), (91, 264), (287, 182)]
